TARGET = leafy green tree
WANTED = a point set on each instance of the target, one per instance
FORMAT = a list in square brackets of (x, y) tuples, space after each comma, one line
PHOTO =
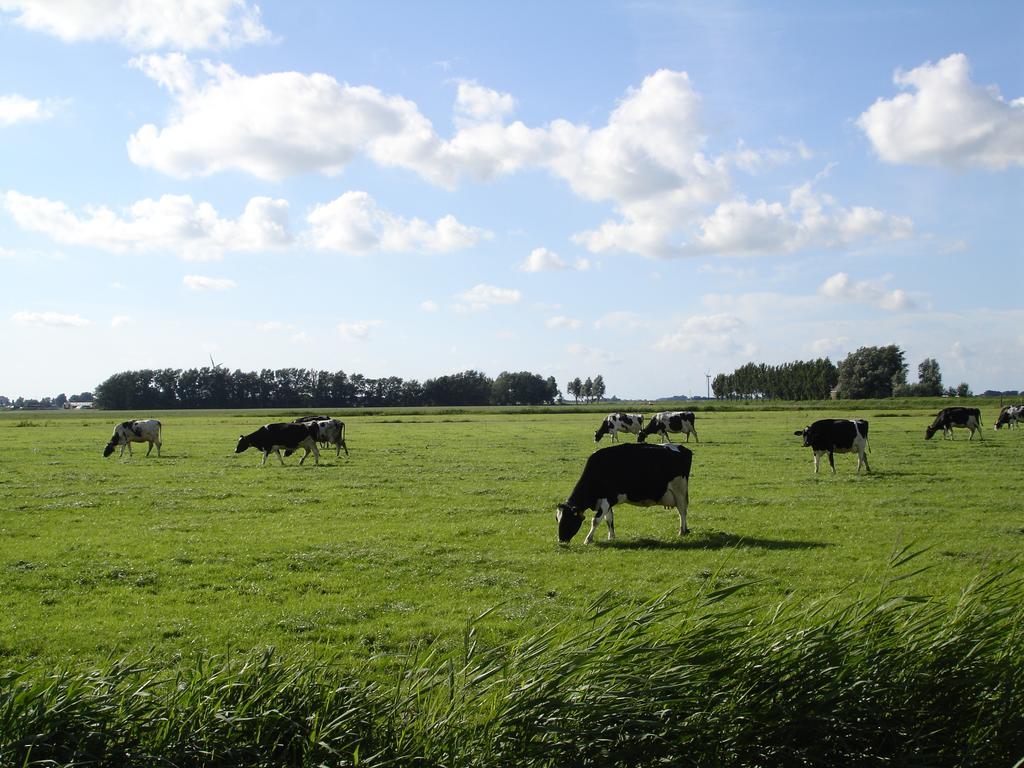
[(929, 378), (587, 390), (872, 372), (598, 387), (575, 388)]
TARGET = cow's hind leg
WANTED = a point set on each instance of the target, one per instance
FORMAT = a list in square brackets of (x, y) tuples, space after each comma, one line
[(680, 489), (862, 458), (150, 449), (832, 461), (278, 452)]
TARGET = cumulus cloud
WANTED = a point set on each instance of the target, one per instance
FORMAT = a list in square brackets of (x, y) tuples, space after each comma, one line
[(483, 296), (172, 223), (358, 331), (648, 161), (563, 323), (479, 104), (49, 320), (429, 306), (18, 109), (121, 321), (874, 292), (714, 334), (154, 24), (203, 283), (808, 219), (944, 119), (353, 223), (544, 260)]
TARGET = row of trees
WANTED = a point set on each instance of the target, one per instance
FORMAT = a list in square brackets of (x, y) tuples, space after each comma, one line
[(870, 372), (590, 390), (799, 380), (218, 387)]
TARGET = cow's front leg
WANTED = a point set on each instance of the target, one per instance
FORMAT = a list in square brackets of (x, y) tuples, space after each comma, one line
[(610, 519), (817, 462), (832, 462), (600, 511), (266, 454)]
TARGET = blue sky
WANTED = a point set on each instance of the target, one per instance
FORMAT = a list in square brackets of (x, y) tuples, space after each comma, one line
[(645, 190)]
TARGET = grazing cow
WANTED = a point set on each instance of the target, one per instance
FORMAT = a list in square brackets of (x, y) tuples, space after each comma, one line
[(833, 436), (329, 431), (619, 422), (957, 416), (1009, 415), (669, 421), (634, 473), (137, 431), (274, 437)]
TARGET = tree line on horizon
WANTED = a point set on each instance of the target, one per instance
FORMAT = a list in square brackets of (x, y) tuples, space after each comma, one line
[(870, 372), (219, 387)]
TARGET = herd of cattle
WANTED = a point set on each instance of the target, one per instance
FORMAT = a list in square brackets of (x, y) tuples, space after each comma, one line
[(635, 473)]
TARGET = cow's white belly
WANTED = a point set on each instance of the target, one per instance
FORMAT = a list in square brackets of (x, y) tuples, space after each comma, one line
[(667, 500)]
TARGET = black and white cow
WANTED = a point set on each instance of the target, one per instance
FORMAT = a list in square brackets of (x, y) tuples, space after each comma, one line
[(634, 473), (956, 416), (831, 436), (1009, 416), (329, 431), (619, 422), (273, 437), (137, 431), (669, 421)]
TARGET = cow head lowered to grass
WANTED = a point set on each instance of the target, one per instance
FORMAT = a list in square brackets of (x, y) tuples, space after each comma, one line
[(634, 473)]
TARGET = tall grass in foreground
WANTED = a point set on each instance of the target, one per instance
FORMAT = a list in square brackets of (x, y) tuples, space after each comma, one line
[(880, 679)]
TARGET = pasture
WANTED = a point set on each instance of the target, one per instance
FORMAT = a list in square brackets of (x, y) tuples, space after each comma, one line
[(436, 518), (437, 534)]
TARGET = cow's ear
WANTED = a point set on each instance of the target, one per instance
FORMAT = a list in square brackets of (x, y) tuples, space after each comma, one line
[(798, 432)]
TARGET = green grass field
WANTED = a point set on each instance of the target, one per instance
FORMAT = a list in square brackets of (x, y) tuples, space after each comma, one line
[(420, 612), (438, 517)]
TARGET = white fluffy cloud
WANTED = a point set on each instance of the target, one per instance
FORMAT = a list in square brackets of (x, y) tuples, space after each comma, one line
[(946, 120), (49, 320), (840, 286), (121, 321), (483, 296), (174, 223), (648, 161), (479, 104), (17, 109), (154, 24), (358, 331), (807, 220), (353, 223), (544, 260), (717, 334), (203, 283)]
